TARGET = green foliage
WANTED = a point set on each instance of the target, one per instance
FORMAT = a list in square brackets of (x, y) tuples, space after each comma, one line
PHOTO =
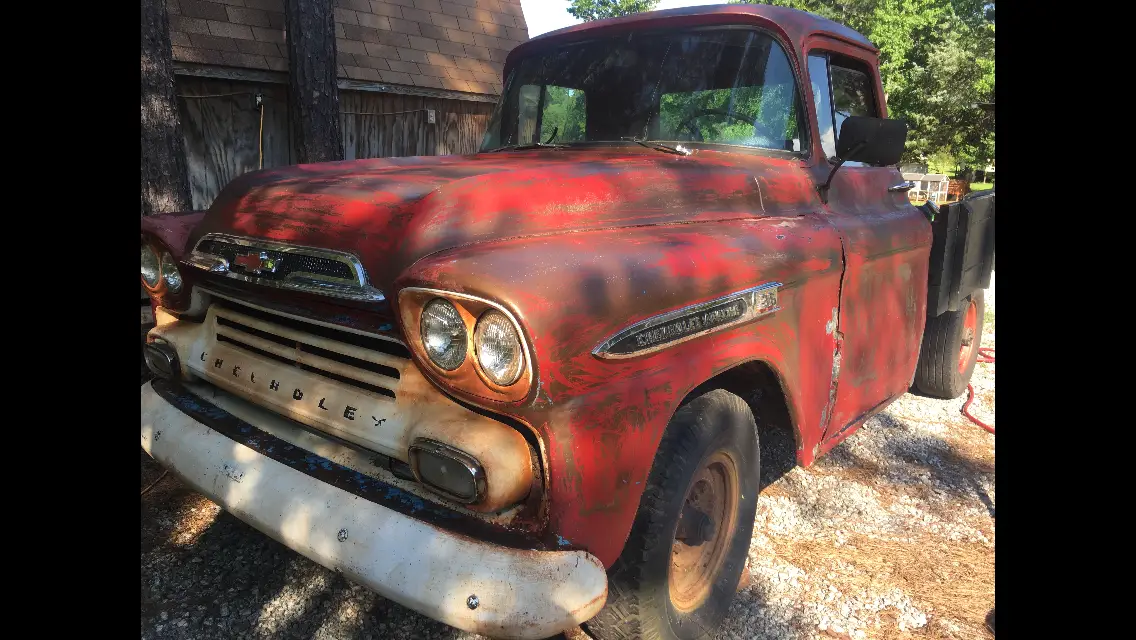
[(942, 161), (598, 9), (936, 63), (564, 114), (771, 106)]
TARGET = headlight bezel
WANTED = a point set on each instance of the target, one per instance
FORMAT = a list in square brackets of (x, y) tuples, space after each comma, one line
[(163, 292), (469, 377)]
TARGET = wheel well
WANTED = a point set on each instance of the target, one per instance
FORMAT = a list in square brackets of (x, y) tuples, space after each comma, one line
[(757, 383)]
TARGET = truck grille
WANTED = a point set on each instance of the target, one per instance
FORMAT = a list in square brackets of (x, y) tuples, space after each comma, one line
[(364, 362), (287, 263)]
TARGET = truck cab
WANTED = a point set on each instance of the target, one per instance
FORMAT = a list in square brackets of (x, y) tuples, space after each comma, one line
[(524, 389)]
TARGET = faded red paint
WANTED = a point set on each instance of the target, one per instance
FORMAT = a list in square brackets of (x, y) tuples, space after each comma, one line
[(172, 230), (580, 243)]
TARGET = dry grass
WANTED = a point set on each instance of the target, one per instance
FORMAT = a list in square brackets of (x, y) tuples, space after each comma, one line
[(947, 579)]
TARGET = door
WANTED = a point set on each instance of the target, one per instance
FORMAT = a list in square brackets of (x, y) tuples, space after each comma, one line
[(883, 294)]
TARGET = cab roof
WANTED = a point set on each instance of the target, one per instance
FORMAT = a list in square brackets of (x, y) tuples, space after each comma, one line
[(794, 25)]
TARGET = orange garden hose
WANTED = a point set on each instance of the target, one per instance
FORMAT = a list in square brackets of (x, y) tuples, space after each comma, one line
[(260, 139), (985, 354)]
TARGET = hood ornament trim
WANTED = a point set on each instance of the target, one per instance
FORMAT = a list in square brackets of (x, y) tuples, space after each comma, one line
[(288, 267)]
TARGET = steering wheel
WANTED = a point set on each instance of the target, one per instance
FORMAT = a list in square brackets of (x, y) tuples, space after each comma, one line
[(688, 123)]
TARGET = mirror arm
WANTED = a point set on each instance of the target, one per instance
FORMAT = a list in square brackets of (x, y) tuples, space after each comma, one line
[(823, 188)]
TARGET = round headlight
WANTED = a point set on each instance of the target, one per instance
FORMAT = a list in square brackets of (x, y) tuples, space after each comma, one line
[(443, 334), (150, 266), (498, 348), (170, 272)]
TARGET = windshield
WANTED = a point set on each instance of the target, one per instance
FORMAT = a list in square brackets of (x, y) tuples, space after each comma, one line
[(725, 86)]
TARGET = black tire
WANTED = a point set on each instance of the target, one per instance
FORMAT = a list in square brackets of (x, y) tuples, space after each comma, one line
[(938, 373), (639, 603)]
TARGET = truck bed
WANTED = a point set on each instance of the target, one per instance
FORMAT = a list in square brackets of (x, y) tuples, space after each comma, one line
[(962, 251)]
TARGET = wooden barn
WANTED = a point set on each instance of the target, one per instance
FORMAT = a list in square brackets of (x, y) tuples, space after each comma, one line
[(415, 77)]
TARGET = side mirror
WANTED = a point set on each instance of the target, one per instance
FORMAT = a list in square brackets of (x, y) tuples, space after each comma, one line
[(871, 140), (868, 140)]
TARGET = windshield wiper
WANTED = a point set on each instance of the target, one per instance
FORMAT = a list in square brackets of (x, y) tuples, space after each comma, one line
[(531, 145), (658, 146)]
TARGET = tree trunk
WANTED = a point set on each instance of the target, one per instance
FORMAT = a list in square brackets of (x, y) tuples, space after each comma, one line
[(312, 91), (165, 180)]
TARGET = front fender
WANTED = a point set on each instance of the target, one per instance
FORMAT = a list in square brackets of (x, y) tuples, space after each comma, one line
[(600, 420), (173, 229)]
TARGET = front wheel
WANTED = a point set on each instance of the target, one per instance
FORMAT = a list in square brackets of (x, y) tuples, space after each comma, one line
[(950, 349), (681, 565)]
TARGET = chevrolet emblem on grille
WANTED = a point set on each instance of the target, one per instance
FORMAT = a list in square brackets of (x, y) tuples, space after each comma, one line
[(254, 263), (323, 272)]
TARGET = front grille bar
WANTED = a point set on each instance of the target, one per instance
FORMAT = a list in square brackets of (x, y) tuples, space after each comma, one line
[(297, 347)]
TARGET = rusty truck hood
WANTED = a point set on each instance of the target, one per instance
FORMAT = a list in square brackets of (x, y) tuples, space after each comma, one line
[(393, 211)]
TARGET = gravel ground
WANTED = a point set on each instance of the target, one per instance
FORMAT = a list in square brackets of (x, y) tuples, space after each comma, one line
[(891, 535)]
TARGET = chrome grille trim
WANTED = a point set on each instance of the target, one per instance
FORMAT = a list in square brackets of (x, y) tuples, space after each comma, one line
[(306, 320), (303, 275), (314, 353)]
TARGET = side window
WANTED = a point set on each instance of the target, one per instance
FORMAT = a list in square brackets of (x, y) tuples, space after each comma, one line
[(841, 88), (851, 92), (558, 112), (822, 100)]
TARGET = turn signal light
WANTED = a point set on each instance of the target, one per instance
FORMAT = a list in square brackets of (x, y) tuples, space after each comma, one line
[(448, 471)]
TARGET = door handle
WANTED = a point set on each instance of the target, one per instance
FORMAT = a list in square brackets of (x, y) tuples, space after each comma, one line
[(903, 186)]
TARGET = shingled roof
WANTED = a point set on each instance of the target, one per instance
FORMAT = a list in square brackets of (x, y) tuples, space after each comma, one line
[(458, 45)]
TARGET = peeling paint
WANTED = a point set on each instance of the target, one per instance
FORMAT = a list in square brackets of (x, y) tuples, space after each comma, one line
[(831, 325)]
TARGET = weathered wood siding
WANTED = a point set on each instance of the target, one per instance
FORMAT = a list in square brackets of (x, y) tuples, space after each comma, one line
[(223, 131), (405, 130)]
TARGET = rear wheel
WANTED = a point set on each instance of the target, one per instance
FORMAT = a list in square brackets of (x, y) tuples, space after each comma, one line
[(950, 349), (681, 565)]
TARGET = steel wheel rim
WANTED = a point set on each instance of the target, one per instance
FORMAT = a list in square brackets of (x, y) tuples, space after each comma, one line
[(694, 568), (969, 335)]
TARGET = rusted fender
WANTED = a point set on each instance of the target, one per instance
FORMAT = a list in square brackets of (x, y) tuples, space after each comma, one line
[(601, 420), (172, 229)]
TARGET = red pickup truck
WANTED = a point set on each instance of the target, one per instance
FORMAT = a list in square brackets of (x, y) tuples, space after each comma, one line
[(523, 390)]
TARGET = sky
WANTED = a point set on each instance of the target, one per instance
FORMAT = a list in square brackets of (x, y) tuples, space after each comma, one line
[(543, 16)]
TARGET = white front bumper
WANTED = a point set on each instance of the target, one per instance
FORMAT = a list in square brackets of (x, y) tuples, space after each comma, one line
[(520, 593)]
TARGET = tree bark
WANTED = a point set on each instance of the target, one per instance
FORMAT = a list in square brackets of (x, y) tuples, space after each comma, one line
[(312, 91), (165, 179)]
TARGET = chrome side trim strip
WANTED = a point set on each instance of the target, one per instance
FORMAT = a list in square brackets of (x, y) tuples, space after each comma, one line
[(674, 327), (356, 288)]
